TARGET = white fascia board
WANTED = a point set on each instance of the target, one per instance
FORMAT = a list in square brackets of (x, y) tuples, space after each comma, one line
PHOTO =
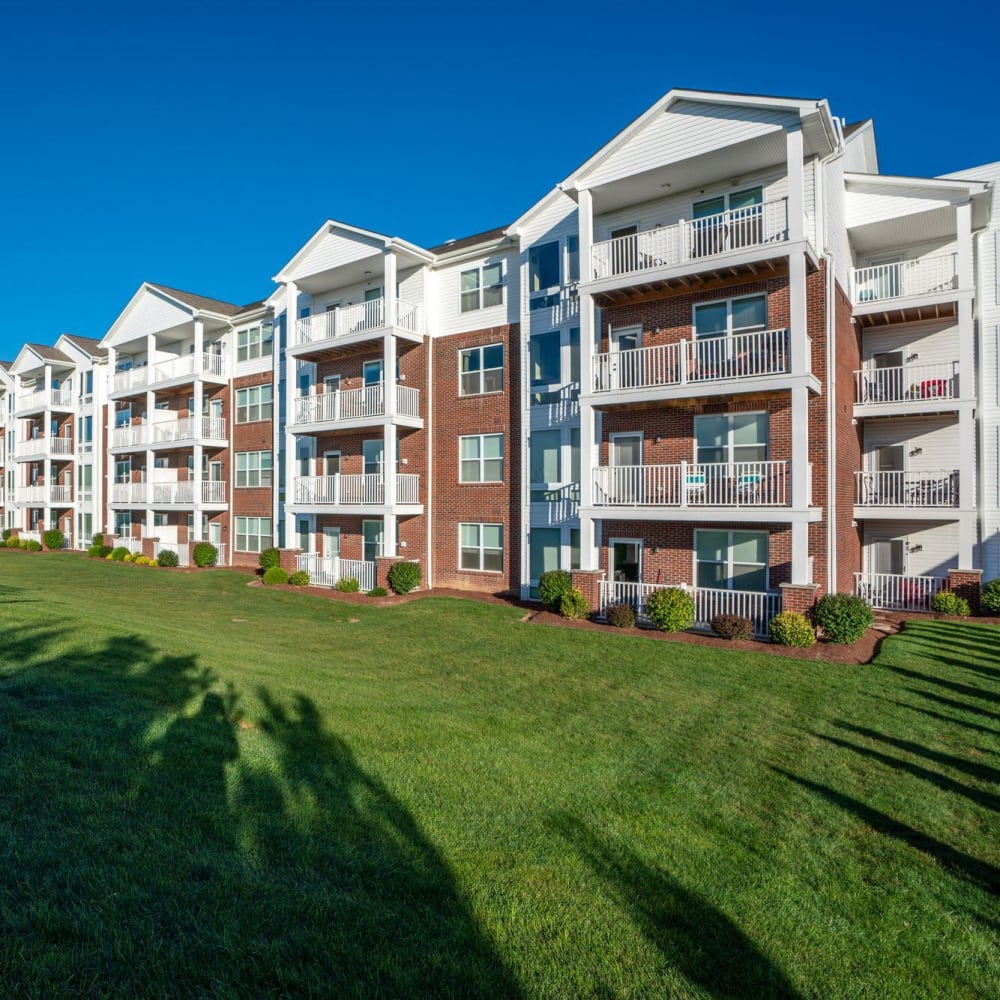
[(144, 289), (514, 229), (499, 244), (27, 359), (938, 183)]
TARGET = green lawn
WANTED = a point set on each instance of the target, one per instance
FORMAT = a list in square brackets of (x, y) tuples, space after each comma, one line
[(211, 789)]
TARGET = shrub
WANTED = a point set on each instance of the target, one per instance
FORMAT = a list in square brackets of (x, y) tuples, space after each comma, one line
[(6, 534), (98, 538), (167, 558), (154, 562), (378, 592), (732, 627), (989, 596), (551, 587), (205, 554), (671, 609), (300, 578), (275, 574), (404, 576), (947, 602), (118, 554), (128, 557), (348, 585), (106, 550), (53, 539), (621, 615), (12, 542), (22, 543), (791, 628), (95, 552), (269, 558), (843, 617), (574, 605), (34, 546)]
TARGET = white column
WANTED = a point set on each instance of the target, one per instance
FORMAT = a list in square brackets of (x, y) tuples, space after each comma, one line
[(389, 294), (798, 329), (199, 451), (199, 344), (800, 448), (588, 550), (796, 183), (966, 538), (801, 567), (47, 385), (291, 389), (389, 375), (967, 380)]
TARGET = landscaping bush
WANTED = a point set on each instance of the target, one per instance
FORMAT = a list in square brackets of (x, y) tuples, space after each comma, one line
[(947, 602), (269, 558), (95, 552), (551, 587), (378, 592), (106, 550), (13, 542), (404, 576), (989, 596), (53, 539), (732, 627), (167, 558), (791, 629), (118, 554), (98, 538), (574, 605), (22, 543), (205, 554), (128, 558), (348, 585), (621, 615), (300, 578), (6, 534), (275, 574), (34, 546), (843, 617), (671, 609)]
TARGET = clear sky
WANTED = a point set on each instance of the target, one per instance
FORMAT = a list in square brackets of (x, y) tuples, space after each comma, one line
[(199, 144)]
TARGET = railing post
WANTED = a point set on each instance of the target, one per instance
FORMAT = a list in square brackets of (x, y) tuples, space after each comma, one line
[(683, 359), (683, 484)]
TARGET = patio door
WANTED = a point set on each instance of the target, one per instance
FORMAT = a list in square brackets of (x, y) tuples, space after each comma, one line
[(625, 252), (624, 369), (626, 474), (371, 534), (626, 560), (889, 383), (331, 543), (887, 555), (888, 474)]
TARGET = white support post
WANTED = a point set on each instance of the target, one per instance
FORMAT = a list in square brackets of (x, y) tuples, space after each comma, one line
[(796, 183), (588, 550), (967, 379), (798, 330), (389, 376), (150, 353), (800, 449), (389, 295), (199, 474), (801, 563), (389, 472), (966, 537), (291, 390)]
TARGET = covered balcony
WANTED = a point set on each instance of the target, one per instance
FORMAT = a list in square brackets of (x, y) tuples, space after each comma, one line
[(906, 389), (923, 489), (182, 432), (182, 493), (169, 371), (359, 407), (328, 571), (898, 591), (38, 400), (45, 496), (354, 490), (35, 448), (356, 323)]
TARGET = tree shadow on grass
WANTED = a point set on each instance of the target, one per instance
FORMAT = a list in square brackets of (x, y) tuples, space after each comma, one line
[(951, 720), (157, 843), (701, 941), (954, 703), (965, 690)]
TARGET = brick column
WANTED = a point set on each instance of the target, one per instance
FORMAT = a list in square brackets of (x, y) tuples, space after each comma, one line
[(109, 539), (148, 548), (966, 583), (588, 582), (288, 559), (798, 597), (382, 566)]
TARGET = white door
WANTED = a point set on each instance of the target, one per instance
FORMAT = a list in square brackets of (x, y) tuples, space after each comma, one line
[(626, 473), (215, 533), (625, 369), (887, 555)]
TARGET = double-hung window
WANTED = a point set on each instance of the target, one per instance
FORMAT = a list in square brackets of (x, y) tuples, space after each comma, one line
[(480, 370), (732, 438), (481, 287), (256, 342), (481, 458), (545, 359), (253, 534), (731, 560), (253, 468), (480, 547), (253, 403)]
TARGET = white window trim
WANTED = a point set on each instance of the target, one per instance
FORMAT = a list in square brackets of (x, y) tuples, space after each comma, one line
[(729, 436), (481, 547), (481, 460), (246, 390), (259, 470), (482, 348), (730, 330), (729, 558), (481, 287), (261, 538)]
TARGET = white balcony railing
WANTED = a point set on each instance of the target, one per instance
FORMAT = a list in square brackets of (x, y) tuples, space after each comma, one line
[(906, 384), (328, 571), (44, 446), (354, 490), (710, 359), (897, 592), (759, 606), (354, 404), (39, 400), (181, 549), (166, 431), (360, 318), (923, 276), (134, 545), (694, 240), (167, 369), (45, 495), (168, 494), (924, 488), (723, 484)]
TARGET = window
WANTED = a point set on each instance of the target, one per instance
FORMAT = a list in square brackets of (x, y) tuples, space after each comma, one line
[(481, 458), (123, 417), (480, 370), (727, 222), (574, 354), (543, 267), (253, 534), (253, 468), (372, 453), (257, 342), (481, 547), (546, 466), (253, 403), (544, 547), (86, 480), (160, 519), (731, 560), (481, 287), (572, 258), (730, 317), (545, 368), (86, 430), (731, 437)]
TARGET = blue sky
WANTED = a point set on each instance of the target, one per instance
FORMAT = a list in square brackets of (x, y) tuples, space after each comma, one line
[(200, 144)]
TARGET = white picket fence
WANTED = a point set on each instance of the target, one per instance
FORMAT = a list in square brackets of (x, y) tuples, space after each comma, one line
[(897, 592), (327, 571)]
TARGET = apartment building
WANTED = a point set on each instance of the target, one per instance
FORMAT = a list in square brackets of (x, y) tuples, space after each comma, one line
[(725, 352)]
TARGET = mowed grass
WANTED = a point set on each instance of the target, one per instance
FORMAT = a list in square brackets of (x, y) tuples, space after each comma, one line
[(215, 790)]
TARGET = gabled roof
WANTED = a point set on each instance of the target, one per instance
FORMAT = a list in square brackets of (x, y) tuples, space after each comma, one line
[(490, 236), (200, 302), (850, 129), (88, 345), (32, 356), (47, 353)]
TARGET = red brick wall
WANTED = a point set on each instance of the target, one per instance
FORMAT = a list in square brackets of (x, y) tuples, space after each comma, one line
[(255, 436), (455, 502)]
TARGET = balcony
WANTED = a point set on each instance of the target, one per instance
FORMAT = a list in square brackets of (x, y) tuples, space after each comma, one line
[(45, 496), (906, 389), (921, 489), (183, 493), (898, 592), (356, 407), (364, 490), (693, 367), (179, 369), (355, 323), (906, 290), (185, 432), (328, 571), (33, 402), (687, 245), (690, 484), (33, 449)]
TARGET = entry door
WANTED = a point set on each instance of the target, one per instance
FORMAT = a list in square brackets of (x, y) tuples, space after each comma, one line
[(331, 543), (626, 479), (625, 369), (331, 463), (887, 555), (625, 252), (626, 560), (890, 462), (215, 533), (371, 532), (889, 377), (372, 451), (215, 413)]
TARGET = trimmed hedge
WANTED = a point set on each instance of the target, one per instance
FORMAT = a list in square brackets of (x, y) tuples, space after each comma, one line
[(989, 596), (404, 576), (118, 554), (300, 578), (269, 558), (574, 605), (275, 574), (167, 558), (205, 554), (843, 617), (947, 602), (551, 587), (378, 592), (790, 628), (732, 627), (671, 609), (53, 539), (620, 615), (34, 546)]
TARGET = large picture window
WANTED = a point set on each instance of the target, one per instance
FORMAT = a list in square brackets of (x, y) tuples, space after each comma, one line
[(253, 403), (480, 370), (481, 547), (253, 534), (731, 560), (253, 468), (256, 342), (731, 437), (481, 458)]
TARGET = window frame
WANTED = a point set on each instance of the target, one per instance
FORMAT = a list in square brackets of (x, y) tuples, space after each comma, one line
[(246, 408), (248, 471), (253, 347), (483, 289), (480, 547), (766, 565), (481, 460), (533, 253), (730, 330), (730, 446), (246, 534), (481, 371)]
